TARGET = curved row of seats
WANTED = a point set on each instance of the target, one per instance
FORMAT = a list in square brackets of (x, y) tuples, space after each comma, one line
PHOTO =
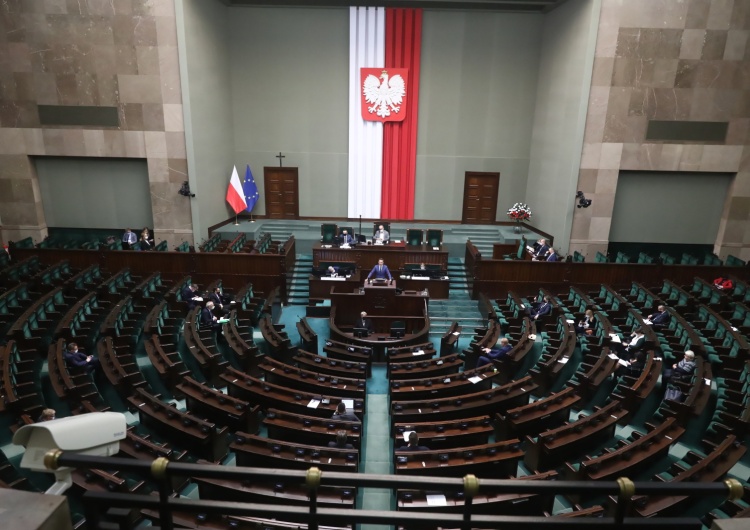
[(460, 411)]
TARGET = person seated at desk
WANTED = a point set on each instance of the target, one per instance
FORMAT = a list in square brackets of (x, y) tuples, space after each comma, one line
[(47, 415), (344, 414), (341, 441), (587, 322), (682, 370), (544, 309), (208, 319), (634, 366), (495, 354), (363, 322), (218, 299), (661, 318), (191, 296), (332, 271), (129, 239), (77, 359), (346, 238), (540, 250), (380, 271), (635, 344), (381, 235), (552, 255), (421, 272), (413, 444)]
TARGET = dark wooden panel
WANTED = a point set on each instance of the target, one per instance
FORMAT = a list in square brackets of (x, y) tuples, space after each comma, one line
[(395, 255)]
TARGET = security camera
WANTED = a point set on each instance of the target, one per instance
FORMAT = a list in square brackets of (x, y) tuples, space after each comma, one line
[(185, 190), (583, 202), (96, 433)]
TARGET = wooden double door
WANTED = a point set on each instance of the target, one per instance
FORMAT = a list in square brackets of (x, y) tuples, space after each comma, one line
[(281, 192)]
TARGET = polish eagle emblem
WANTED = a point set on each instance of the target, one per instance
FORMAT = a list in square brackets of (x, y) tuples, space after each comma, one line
[(384, 95)]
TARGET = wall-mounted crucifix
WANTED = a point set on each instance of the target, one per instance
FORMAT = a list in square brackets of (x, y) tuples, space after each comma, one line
[(280, 156)]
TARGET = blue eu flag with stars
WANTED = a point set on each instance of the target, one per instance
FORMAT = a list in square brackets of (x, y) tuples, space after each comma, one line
[(250, 189)]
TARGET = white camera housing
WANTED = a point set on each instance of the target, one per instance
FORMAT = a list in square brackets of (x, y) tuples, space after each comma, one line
[(95, 433)]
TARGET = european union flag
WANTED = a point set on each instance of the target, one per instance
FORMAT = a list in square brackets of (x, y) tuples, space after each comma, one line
[(250, 189)]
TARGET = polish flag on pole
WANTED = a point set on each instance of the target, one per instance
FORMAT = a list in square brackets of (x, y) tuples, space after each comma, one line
[(235, 194)]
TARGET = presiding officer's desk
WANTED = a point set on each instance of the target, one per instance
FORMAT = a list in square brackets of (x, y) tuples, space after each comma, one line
[(395, 255)]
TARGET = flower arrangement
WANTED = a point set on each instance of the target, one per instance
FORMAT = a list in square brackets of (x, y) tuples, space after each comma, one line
[(519, 212)]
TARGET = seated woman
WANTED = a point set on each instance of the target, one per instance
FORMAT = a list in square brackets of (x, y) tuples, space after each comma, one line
[(587, 322), (681, 370), (634, 366)]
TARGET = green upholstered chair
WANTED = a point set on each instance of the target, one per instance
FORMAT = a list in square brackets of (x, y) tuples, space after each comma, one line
[(519, 250), (328, 233), (434, 237), (414, 236)]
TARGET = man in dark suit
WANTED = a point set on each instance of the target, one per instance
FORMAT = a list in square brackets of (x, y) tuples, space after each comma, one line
[(332, 271), (413, 444), (661, 318), (190, 294), (363, 322), (380, 271), (541, 250), (218, 299), (208, 319), (552, 255), (495, 354), (343, 414), (77, 359), (544, 309), (346, 238)]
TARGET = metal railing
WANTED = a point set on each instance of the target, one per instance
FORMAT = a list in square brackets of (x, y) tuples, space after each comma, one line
[(161, 470)]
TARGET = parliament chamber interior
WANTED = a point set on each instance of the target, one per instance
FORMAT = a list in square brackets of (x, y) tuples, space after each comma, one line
[(413, 265)]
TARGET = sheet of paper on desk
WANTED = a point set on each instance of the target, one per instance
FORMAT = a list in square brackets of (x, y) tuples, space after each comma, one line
[(420, 277), (435, 248), (418, 352), (563, 360), (569, 321), (349, 403), (456, 333), (197, 298), (624, 363), (647, 322), (222, 321), (313, 404), (436, 500), (612, 356), (615, 338), (475, 379)]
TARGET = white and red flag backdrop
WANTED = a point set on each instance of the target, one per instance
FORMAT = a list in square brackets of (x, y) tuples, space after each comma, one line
[(382, 156)]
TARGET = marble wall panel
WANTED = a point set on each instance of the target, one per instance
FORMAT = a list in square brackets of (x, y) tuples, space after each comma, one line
[(119, 53), (667, 60)]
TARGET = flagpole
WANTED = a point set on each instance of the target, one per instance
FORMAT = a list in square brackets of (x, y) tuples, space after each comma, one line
[(251, 217), (235, 219)]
